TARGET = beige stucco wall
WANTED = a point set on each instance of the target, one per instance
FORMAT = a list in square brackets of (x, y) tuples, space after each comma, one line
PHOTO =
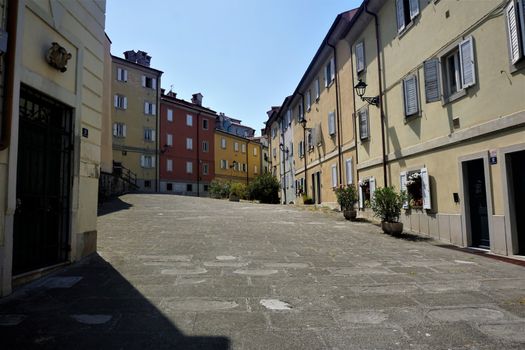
[(106, 153)]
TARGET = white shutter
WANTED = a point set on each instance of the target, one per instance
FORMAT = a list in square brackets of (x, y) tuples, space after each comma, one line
[(400, 15), (334, 175), (363, 124), (119, 73), (414, 8), (326, 75), (154, 84), (403, 186), (331, 123), (410, 91), (115, 129), (466, 58), (431, 68), (512, 26), (142, 161), (143, 81), (115, 99), (125, 102), (521, 12), (153, 163), (361, 198), (317, 89), (146, 108), (425, 183), (153, 109), (360, 56), (372, 187), (124, 130), (125, 75), (349, 171), (332, 69), (152, 135)]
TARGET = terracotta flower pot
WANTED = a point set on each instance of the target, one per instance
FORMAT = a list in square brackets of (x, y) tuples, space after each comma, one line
[(350, 214), (392, 228)]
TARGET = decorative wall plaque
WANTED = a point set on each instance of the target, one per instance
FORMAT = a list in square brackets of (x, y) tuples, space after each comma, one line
[(57, 57)]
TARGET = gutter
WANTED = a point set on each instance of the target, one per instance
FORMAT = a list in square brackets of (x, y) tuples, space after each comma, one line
[(198, 156)]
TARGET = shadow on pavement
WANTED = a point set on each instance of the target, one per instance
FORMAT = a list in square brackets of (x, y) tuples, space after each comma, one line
[(113, 205), (100, 310)]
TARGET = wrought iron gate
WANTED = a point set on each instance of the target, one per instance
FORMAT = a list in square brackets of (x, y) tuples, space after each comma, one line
[(44, 179)]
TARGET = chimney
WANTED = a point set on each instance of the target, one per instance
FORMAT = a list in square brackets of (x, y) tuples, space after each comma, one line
[(197, 99)]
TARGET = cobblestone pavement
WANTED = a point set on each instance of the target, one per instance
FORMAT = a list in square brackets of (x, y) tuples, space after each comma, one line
[(192, 273)]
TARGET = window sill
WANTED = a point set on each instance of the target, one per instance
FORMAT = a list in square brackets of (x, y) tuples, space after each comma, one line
[(412, 117), (455, 96), (407, 27)]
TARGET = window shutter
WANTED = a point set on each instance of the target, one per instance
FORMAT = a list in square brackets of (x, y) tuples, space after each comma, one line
[(372, 187), (125, 75), (125, 102), (317, 89), (332, 69), (349, 172), (466, 57), (119, 73), (326, 74), (403, 186), (414, 8), (425, 183), (115, 100), (400, 15), (363, 124), (521, 12), (360, 56), (431, 68), (334, 175), (124, 130), (146, 107), (512, 26), (153, 109), (153, 163), (152, 135), (154, 84), (361, 198), (411, 100), (143, 81), (142, 161), (331, 123), (114, 129)]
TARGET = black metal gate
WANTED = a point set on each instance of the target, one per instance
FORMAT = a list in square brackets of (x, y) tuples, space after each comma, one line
[(44, 179)]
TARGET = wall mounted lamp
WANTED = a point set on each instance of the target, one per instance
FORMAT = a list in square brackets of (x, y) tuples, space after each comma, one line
[(360, 89)]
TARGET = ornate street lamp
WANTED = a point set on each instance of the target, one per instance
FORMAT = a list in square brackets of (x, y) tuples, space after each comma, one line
[(360, 89)]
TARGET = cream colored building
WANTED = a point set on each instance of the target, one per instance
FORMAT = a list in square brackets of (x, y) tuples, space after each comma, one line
[(135, 118), (50, 155), (452, 102)]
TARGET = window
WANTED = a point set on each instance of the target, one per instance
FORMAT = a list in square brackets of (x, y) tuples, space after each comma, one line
[(244, 167), (147, 161), (205, 169), (122, 74), (150, 108), (255, 151), (148, 82), (308, 100), (189, 120), (169, 165), (331, 123), (300, 116), (223, 143), (205, 124), (363, 124), (236, 146), (205, 146), (317, 89), (406, 11), (189, 188), (459, 71), (119, 130), (431, 72), (147, 183), (515, 13), (255, 169), (149, 134), (120, 102), (189, 143), (410, 94), (417, 186), (367, 187), (169, 187), (334, 175), (301, 149), (274, 132), (224, 164), (189, 167), (360, 57), (310, 139), (206, 187), (349, 171), (243, 148), (290, 149), (329, 72), (170, 115), (169, 139), (288, 118)]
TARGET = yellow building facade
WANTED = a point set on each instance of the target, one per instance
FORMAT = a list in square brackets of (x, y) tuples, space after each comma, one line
[(54, 114), (453, 115), (237, 159)]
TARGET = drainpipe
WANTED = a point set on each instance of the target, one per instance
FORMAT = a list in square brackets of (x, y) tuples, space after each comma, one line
[(247, 162), (381, 111), (198, 156), (12, 23), (284, 167), (354, 116), (336, 83), (304, 148)]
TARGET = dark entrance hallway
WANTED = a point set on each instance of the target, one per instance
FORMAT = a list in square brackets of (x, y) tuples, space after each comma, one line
[(41, 227), (516, 173), (476, 203)]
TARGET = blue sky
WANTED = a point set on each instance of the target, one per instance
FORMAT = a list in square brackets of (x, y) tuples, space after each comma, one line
[(243, 55)]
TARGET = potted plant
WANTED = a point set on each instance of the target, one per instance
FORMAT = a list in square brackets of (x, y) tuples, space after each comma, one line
[(347, 198), (387, 204)]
